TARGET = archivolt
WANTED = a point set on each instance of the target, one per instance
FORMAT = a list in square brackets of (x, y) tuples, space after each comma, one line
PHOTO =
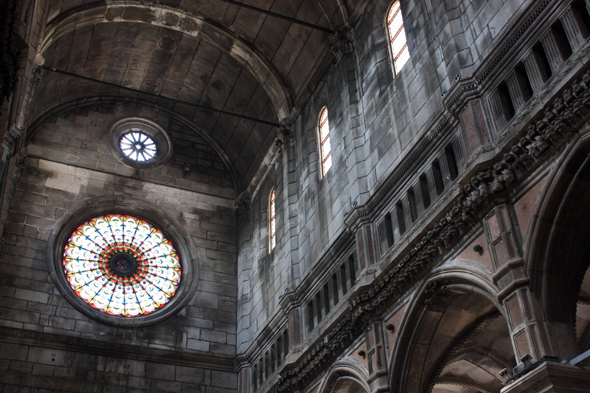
[(345, 372), (458, 276), (181, 21)]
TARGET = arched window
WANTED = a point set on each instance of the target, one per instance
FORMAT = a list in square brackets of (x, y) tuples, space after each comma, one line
[(325, 148), (272, 223), (397, 37)]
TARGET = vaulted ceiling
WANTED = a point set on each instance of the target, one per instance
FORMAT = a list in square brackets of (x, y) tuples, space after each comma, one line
[(212, 53)]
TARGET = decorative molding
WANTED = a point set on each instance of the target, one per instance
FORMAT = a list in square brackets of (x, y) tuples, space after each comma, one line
[(125, 351), (511, 42), (542, 139)]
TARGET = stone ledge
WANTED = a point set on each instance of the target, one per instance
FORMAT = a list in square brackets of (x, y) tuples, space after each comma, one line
[(551, 377), (54, 341)]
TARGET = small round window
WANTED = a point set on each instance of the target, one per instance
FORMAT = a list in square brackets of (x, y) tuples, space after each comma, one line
[(138, 146), (140, 142), (122, 265)]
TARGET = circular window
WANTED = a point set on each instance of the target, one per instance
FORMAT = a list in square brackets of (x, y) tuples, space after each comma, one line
[(121, 265), (122, 262), (138, 146), (139, 142)]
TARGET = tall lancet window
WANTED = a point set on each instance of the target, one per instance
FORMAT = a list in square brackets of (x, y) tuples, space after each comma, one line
[(325, 148), (272, 222), (397, 37)]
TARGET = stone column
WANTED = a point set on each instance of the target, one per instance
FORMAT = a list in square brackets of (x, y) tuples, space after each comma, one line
[(552, 50), (243, 376), (376, 359), (526, 323), (473, 126), (291, 306), (573, 29), (365, 247)]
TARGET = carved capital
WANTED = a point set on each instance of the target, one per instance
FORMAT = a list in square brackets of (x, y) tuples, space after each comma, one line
[(341, 43), (287, 134), (242, 206), (20, 163)]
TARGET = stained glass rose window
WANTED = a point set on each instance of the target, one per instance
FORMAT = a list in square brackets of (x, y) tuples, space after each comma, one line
[(122, 265)]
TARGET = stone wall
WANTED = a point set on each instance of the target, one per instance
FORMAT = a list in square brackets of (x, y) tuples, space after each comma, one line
[(31, 368), (376, 120), (68, 164)]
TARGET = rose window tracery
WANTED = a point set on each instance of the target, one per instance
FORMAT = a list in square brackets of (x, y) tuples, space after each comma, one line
[(122, 265), (138, 146)]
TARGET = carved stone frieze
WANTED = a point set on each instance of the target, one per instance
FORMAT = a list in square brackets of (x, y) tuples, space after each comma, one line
[(543, 137), (438, 297)]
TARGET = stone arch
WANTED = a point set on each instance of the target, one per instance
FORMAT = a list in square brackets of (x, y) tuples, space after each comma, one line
[(558, 255), (114, 100), (453, 336), (345, 376), (183, 22)]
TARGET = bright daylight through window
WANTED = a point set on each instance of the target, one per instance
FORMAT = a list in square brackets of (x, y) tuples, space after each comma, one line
[(138, 146), (325, 148), (121, 265), (397, 37)]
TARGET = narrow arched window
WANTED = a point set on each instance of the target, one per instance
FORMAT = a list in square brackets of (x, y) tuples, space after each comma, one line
[(325, 148), (272, 222), (397, 37)]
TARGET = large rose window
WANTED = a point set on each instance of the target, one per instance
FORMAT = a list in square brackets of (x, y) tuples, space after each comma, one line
[(121, 265)]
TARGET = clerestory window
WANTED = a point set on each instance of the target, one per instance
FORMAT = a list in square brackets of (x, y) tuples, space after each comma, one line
[(397, 37), (272, 223), (325, 148)]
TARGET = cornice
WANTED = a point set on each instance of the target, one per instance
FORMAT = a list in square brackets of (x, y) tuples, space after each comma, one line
[(541, 141), (514, 38), (340, 247), (468, 89), (125, 351)]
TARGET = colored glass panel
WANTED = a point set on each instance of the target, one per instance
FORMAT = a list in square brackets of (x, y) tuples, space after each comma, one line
[(122, 265)]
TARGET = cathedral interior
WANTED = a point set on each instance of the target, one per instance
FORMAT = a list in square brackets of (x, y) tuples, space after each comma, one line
[(295, 196)]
